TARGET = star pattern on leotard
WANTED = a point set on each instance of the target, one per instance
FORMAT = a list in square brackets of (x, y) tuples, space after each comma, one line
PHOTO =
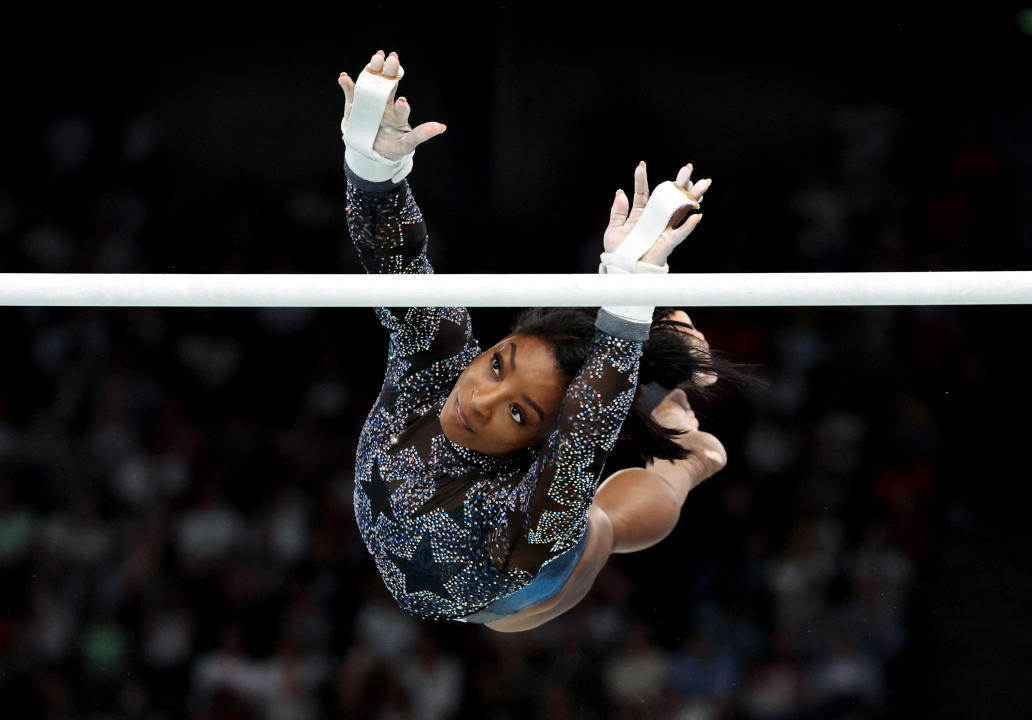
[(421, 390), (423, 573), (375, 488), (457, 515)]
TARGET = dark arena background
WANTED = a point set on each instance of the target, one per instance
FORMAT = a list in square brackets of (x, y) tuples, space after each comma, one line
[(176, 531)]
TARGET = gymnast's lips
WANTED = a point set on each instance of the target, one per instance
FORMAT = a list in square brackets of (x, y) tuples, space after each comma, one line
[(460, 417)]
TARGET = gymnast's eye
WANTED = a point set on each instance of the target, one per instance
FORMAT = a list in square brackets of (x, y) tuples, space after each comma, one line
[(496, 364), (517, 415)]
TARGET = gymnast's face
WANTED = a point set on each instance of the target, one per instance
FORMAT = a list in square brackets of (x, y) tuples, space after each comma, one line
[(507, 399)]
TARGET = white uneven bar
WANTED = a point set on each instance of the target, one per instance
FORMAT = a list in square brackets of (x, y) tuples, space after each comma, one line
[(588, 289)]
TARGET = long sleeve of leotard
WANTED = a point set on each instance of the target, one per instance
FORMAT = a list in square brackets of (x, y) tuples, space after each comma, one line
[(546, 511), (388, 231)]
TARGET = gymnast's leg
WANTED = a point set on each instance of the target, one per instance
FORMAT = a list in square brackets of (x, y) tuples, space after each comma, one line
[(644, 504)]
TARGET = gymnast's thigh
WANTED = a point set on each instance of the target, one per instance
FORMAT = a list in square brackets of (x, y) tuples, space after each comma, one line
[(597, 550)]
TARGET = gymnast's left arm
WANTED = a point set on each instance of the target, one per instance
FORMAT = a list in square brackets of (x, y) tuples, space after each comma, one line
[(385, 223)]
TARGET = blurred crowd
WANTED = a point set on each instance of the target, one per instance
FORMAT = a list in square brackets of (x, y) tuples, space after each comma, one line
[(176, 531)]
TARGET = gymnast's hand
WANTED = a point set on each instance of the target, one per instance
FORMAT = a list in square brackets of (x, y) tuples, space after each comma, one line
[(621, 223), (395, 138)]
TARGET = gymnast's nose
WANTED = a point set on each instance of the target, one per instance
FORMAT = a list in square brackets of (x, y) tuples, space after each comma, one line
[(481, 402)]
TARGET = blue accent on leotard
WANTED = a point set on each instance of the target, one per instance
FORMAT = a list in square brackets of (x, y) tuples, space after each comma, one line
[(547, 583)]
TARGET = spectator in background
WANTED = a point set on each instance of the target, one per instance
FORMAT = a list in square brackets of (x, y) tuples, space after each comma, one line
[(637, 674)]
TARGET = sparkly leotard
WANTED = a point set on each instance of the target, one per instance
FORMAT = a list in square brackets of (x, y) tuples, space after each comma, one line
[(450, 557)]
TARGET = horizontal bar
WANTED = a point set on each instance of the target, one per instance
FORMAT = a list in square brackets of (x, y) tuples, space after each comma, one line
[(538, 290)]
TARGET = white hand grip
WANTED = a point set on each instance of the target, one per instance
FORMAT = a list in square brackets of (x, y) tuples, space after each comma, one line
[(665, 200), (372, 90)]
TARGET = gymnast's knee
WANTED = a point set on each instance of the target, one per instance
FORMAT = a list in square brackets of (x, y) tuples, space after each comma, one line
[(600, 523)]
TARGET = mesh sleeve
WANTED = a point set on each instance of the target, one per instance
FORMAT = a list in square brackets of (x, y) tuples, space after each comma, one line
[(390, 236), (546, 512)]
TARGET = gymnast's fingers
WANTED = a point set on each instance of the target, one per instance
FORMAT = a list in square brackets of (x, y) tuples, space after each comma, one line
[(699, 189), (421, 134), (376, 61), (391, 64), (684, 177), (348, 86), (402, 110), (618, 213), (390, 67), (641, 191), (678, 234)]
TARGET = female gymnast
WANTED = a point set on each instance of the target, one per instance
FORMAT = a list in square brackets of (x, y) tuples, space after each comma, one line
[(476, 484)]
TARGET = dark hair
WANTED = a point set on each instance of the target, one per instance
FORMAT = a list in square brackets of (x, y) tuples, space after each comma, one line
[(668, 361)]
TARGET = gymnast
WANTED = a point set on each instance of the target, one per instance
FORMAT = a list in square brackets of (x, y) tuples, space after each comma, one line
[(476, 479)]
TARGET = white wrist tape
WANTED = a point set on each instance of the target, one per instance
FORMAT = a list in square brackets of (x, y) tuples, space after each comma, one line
[(665, 200), (640, 267), (634, 313), (372, 89)]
